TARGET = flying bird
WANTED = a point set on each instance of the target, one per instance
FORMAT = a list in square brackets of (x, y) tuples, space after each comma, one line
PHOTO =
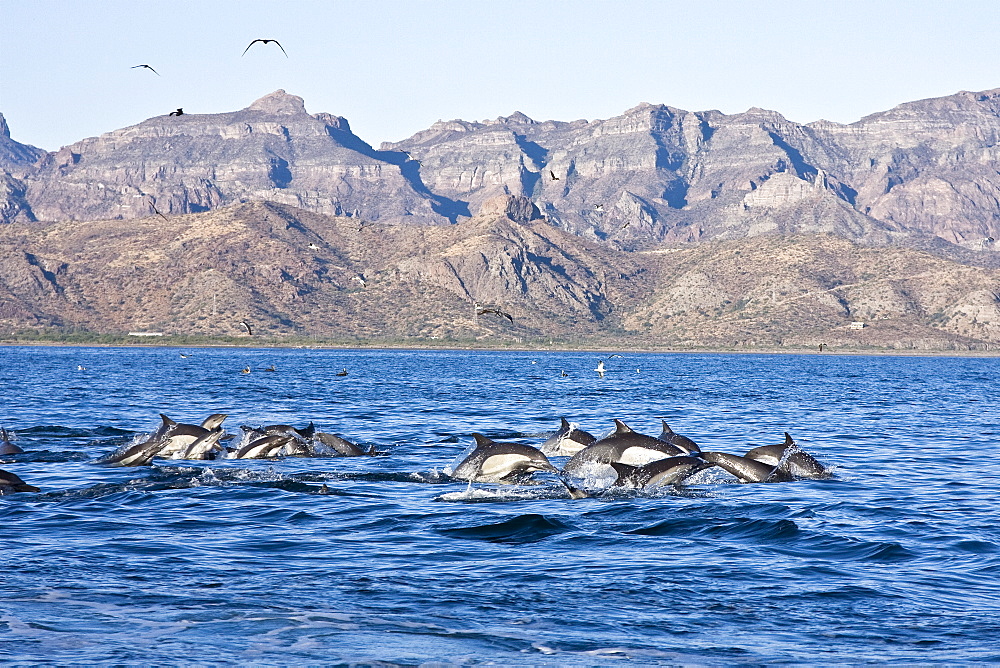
[(157, 212), (265, 41), (247, 325), (553, 175), (179, 112), (482, 310), (148, 68)]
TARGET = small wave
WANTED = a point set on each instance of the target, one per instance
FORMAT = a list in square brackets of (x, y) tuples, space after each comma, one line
[(59, 431), (518, 530)]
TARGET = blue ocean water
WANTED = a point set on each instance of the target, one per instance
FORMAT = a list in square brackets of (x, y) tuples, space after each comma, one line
[(895, 559)]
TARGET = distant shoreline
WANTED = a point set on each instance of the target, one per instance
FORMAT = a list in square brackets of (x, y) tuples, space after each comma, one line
[(644, 350)]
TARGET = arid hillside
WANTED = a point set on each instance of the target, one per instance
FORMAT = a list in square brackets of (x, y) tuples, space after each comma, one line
[(286, 271)]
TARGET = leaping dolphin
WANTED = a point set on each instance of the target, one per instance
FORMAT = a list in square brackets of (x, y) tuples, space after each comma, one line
[(624, 446), (203, 447), (342, 446), (490, 461), (790, 458), (569, 440), (746, 469), (267, 446), (6, 447), (669, 471), (682, 442), (172, 440), (11, 483)]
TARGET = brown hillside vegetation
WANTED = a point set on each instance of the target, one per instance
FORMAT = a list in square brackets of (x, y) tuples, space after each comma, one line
[(293, 272)]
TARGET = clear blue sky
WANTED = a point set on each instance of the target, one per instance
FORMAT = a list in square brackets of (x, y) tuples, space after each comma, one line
[(393, 67)]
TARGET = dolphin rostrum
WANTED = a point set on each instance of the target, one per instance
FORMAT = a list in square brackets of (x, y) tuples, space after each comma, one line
[(490, 461), (624, 446), (11, 483)]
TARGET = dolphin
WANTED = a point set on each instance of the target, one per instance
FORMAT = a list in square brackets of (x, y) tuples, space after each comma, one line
[(142, 453), (669, 471), (179, 437), (138, 454), (790, 458), (10, 483), (6, 447), (213, 420), (204, 447), (569, 440), (341, 445), (746, 469), (170, 440), (682, 442), (490, 461), (624, 446), (264, 447), (282, 430)]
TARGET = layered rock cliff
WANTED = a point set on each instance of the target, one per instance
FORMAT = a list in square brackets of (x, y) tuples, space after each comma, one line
[(654, 174)]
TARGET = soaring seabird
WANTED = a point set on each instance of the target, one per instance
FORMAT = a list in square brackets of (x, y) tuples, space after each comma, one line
[(148, 68), (265, 41), (481, 310)]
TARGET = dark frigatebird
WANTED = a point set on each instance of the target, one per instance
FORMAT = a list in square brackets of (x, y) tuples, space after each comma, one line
[(265, 41)]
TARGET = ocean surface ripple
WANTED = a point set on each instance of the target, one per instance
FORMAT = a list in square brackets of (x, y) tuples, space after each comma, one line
[(386, 560)]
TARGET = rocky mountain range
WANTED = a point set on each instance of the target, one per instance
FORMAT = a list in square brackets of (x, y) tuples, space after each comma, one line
[(653, 174), (661, 226)]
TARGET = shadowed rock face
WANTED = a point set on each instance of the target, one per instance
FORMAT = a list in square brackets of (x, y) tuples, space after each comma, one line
[(656, 173)]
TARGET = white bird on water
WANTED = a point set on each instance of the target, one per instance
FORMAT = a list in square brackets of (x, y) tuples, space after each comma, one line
[(600, 368)]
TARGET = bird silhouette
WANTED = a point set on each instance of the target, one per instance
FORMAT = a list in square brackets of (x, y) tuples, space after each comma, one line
[(148, 68), (179, 112), (265, 41), (482, 310), (155, 210), (342, 373), (553, 175), (247, 325)]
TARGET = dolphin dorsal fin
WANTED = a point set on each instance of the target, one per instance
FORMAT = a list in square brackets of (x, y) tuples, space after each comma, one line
[(622, 428), (788, 440), (482, 440), (564, 424), (623, 470), (666, 427), (167, 421)]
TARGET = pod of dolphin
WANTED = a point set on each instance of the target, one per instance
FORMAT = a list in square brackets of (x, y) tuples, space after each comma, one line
[(636, 460)]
